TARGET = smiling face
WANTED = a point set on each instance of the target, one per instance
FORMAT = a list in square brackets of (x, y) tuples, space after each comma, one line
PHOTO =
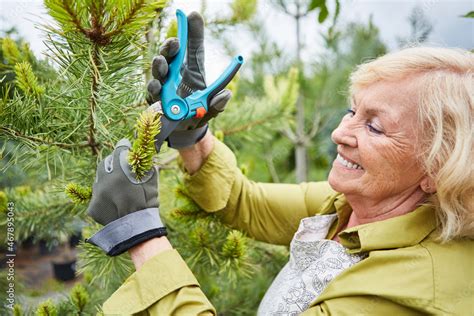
[(376, 144)]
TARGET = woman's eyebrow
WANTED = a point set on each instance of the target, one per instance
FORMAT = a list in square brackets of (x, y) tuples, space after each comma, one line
[(386, 115), (375, 111), (371, 111)]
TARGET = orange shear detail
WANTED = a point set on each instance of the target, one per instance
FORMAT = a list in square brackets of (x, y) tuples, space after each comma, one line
[(200, 112)]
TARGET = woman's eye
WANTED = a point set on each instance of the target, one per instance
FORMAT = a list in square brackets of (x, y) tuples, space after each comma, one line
[(374, 130), (351, 112)]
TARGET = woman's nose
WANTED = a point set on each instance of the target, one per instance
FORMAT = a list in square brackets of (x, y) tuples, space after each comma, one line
[(343, 135)]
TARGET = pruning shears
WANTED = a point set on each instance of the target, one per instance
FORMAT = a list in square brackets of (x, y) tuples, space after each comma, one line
[(196, 105)]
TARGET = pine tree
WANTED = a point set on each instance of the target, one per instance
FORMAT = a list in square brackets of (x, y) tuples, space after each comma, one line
[(58, 130)]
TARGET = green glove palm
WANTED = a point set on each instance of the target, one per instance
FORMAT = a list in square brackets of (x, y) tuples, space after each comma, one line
[(128, 208), (192, 130)]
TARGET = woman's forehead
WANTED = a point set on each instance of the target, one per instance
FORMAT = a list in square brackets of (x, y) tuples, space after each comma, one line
[(391, 101), (388, 97)]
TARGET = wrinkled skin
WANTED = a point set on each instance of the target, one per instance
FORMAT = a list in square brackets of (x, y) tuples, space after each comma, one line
[(380, 134)]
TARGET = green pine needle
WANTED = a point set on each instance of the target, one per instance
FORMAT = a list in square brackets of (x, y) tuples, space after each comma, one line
[(108, 272), (22, 190), (78, 193), (200, 237), (17, 310), (10, 50), (188, 212), (47, 308), (3, 202), (235, 245), (79, 297), (243, 10), (141, 155), (26, 80)]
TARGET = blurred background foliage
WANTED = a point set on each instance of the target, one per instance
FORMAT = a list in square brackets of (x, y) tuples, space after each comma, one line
[(61, 114)]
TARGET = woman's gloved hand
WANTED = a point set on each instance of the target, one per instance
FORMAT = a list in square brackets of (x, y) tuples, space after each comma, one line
[(192, 130), (128, 208)]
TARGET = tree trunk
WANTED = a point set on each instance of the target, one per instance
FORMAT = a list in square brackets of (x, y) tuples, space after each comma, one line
[(300, 146)]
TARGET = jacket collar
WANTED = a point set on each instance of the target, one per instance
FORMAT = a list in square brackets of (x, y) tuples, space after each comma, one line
[(396, 232)]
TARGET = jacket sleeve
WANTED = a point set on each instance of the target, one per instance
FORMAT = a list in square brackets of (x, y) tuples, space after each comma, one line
[(268, 212), (164, 285)]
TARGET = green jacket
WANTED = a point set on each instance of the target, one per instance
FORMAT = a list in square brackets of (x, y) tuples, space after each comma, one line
[(407, 272)]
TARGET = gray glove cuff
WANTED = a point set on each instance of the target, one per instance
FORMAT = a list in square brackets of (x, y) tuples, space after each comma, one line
[(125, 232), (186, 138)]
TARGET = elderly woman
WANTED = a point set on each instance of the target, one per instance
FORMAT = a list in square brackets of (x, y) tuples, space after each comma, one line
[(389, 233)]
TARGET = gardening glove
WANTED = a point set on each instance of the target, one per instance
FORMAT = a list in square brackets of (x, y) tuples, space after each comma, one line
[(128, 208), (190, 131)]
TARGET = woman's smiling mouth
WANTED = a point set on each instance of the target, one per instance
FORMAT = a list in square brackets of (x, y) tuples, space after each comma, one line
[(348, 164)]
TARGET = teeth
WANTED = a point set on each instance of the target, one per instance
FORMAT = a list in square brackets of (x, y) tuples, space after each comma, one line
[(347, 163)]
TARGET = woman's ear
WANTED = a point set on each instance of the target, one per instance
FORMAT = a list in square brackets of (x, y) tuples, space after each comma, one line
[(428, 185)]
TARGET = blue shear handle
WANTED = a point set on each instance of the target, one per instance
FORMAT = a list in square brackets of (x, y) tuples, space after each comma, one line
[(174, 74), (202, 98), (169, 97), (176, 108)]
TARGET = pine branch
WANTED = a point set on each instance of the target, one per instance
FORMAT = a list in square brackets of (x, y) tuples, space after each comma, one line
[(251, 124), (101, 33), (130, 16), (235, 254), (35, 141), (208, 246), (27, 81), (43, 214), (235, 245), (107, 272), (270, 112), (99, 42), (17, 310), (77, 193), (47, 308), (3, 202), (10, 51), (95, 74), (79, 297), (188, 212), (73, 16)]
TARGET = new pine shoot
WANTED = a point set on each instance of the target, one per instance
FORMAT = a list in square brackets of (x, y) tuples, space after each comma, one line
[(141, 154)]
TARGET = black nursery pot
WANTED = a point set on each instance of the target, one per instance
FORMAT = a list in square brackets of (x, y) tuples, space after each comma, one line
[(64, 271), (45, 249), (28, 243), (75, 239)]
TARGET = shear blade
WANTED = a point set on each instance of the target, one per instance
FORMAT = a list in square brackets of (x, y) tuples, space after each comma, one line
[(167, 127)]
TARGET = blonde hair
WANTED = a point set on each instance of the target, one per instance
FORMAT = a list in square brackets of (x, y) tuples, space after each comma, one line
[(446, 113)]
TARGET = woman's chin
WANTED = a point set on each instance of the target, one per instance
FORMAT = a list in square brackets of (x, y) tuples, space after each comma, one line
[(334, 181), (338, 183)]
